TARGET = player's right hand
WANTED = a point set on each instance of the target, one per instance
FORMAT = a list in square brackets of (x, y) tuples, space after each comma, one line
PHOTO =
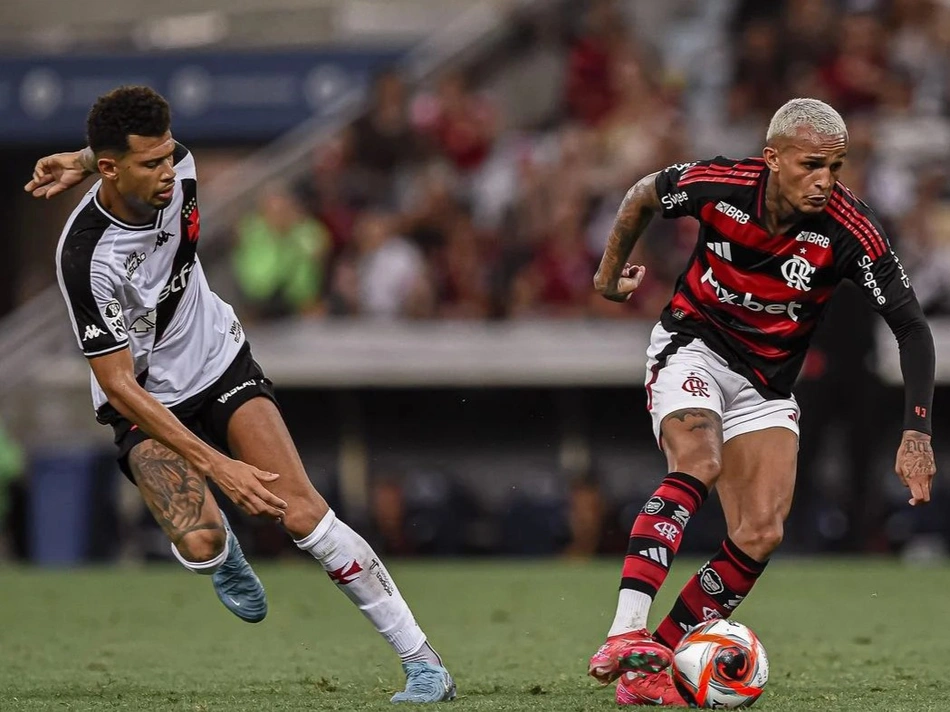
[(242, 483), (57, 173), (623, 288)]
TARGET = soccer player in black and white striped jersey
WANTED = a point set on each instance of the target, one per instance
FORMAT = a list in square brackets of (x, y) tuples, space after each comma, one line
[(172, 373)]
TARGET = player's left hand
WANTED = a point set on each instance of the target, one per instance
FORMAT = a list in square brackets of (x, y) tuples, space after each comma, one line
[(915, 465), (57, 173)]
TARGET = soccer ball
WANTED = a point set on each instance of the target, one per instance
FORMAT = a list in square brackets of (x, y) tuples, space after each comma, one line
[(720, 664)]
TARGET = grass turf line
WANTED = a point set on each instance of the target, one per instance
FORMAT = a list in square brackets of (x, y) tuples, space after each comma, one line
[(841, 635)]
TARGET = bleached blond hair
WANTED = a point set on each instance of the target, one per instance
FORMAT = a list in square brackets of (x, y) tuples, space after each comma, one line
[(805, 113)]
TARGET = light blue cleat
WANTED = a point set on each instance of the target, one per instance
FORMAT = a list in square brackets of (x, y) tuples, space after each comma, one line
[(237, 585), (426, 683)]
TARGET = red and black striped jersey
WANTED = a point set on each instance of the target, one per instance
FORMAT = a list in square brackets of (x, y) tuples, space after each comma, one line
[(756, 298)]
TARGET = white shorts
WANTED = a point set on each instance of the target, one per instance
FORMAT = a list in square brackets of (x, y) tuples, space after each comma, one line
[(693, 376)]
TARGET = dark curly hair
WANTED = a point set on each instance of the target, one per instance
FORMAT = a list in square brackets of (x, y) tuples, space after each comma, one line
[(127, 110)]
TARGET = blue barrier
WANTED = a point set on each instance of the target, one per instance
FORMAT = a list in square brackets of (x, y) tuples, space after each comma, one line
[(62, 483), (214, 96)]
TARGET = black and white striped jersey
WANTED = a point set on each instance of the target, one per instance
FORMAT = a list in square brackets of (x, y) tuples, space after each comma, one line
[(142, 287)]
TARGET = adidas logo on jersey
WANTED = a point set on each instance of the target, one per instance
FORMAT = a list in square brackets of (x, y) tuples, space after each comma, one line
[(731, 211), (657, 554), (723, 249)]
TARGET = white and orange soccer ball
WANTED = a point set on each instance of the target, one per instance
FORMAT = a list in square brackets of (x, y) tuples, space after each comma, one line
[(720, 664)]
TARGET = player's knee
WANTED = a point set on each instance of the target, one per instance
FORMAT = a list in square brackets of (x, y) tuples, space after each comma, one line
[(759, 540), (701, 463), (303, 514), (706, 469), (203, 544)]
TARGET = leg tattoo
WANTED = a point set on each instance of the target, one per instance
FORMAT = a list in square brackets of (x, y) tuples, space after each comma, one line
[(173, 491)]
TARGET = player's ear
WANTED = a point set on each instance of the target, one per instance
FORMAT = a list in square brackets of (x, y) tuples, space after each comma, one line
[(770, 154), (107, 165)]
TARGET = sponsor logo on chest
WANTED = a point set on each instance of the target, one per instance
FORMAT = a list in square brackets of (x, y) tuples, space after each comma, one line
[(731, 211), (747, 300), (813, 238)]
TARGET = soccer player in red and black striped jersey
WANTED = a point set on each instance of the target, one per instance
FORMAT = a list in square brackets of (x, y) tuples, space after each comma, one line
[(776, 236)]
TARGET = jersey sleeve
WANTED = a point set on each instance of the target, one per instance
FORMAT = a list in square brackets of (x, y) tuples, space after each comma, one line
[(184, 162), (90, 294), (684, 188), (868, 260)]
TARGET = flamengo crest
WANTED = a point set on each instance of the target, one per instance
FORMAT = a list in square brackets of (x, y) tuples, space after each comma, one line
[(797, 272)]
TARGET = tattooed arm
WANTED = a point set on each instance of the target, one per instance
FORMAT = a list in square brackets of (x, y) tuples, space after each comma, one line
[(238, 480), (615, 279)]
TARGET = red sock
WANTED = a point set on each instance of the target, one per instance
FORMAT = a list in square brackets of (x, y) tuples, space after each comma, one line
[(715, 591), (658, 530)]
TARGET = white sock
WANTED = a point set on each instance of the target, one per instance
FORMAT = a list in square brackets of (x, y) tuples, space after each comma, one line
[(205, 568), (358, 572), (633, 607)]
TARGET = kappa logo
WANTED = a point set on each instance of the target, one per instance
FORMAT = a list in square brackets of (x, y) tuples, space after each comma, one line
[(132, 263), (162, 238), (711, 581), (797, 272), (92, 332), (653, 505), (667, 530)]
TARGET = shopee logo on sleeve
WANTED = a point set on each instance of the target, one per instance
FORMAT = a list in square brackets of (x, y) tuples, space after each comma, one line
[(671, 200), (905, 280), (869, 281)]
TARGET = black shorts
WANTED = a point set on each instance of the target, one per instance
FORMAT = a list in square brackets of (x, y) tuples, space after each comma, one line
[(205, 414)]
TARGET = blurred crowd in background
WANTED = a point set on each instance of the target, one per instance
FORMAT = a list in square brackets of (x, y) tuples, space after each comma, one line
[(490, 192)]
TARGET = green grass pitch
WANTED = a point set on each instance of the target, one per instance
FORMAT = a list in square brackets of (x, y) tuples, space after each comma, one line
[(841, 635)]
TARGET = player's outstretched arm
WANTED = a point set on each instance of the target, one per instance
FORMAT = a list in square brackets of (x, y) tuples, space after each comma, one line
[(915, 465), (241, 482), (59, 172), (616, 280)]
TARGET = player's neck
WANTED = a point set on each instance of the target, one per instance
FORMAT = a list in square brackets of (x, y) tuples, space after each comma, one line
[(779, 215), (119, 208)]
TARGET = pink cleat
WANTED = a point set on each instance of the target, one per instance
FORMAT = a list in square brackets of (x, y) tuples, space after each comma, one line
[(635, 651), (650, 689)]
